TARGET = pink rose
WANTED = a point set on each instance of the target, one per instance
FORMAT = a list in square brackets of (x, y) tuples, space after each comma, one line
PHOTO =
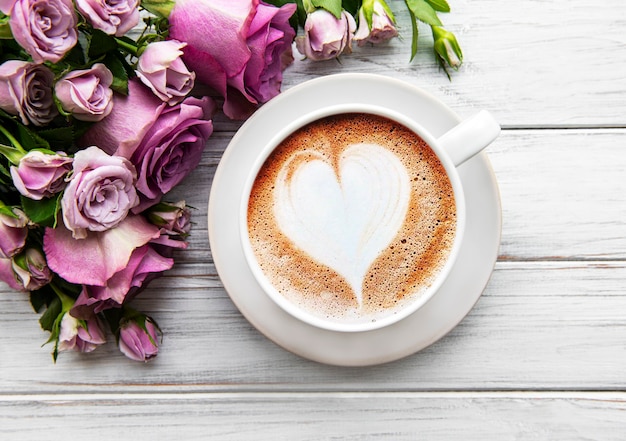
[(74, 336), (237, 47), (114, 17), (139, 339), (13, 230), (31, 269), (46, 29), (163, 142), (100, 193), (95, 259), (86, 94), (161, 68), (325, 36), (382, 24), (7, 275), (143, 266), (40, 175), (26, 91)]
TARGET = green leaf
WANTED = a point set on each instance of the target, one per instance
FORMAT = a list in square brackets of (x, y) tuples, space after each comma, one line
[(40, 298), (41, 212), (332, 6), (352, 6), (119, 69), (29, 139), (162, 8), (50, 316), (439, 5), (423, 12), (100, 44)]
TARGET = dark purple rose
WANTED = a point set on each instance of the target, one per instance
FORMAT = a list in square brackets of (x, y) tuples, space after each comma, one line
[(237, 47), (163, 142), (26, 91)]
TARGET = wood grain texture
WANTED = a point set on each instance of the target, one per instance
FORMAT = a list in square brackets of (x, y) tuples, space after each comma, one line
[(319, 416), (542, 354)]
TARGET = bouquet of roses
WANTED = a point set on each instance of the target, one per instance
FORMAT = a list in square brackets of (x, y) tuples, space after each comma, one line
[(99, 121)]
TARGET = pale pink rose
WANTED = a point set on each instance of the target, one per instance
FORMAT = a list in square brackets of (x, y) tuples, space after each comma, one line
[(40, 175), (46, 29), (87, 93), (6, 6), (26, 91), (383, 25), (31, 269), (237, 47), (139, 340), (98, 257), (100, 194), (114, 17), (73, 336), (325, 36), (13, 231), (144, 265), (161, 68), (164, 143)]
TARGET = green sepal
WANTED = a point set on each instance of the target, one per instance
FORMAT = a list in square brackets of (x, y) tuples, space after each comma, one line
[(12, 154), (50, 316), (332, 6), (8, 211), (43, 212), (5, 29), (414, 35)]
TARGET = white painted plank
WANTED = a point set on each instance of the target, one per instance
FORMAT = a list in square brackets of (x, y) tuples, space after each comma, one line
[(317, 416), (538, 326)]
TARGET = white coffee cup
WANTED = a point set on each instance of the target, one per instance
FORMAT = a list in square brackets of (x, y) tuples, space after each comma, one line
[(452, 149)]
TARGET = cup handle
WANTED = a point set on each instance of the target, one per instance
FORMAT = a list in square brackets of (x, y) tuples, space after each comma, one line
[(470, 137)]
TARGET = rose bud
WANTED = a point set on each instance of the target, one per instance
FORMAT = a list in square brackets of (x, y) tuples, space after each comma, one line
[(80, 335), (100, 193), (111, 17), (139, 338), (447, 48), (31, 269), (325, 36), (7, 275), (173, 218), (40, 175), (161, 68), (45, 29), (13, 230), (86, 94), (376, 23), (26, 91)]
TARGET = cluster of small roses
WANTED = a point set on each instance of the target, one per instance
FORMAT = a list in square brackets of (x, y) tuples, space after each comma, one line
[(95, 129)]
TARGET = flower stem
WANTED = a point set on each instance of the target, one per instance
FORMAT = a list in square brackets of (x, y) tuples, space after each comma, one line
[(66, 301), (128, 47)]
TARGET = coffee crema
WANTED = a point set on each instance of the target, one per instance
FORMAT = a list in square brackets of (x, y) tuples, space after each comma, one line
[(351, 217)]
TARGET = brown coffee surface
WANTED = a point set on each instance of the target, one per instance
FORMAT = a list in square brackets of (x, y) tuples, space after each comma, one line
[(401, 272)]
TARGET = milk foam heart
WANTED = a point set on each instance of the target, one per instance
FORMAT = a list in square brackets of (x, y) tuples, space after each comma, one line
[(343, 215)]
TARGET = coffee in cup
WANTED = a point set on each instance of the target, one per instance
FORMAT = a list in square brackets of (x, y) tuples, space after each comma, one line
[(352, 218)]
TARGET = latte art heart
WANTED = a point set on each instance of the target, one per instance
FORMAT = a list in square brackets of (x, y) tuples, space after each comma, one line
[(343, 215)]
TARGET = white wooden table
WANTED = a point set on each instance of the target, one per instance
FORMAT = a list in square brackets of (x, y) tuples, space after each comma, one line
[(541, 356)]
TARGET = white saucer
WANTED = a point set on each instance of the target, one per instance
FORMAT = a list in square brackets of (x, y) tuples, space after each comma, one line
[(447, 307)]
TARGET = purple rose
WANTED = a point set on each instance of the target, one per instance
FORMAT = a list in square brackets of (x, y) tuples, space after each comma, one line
[(100, 193), (380, 26), (13, 231), (26, 91), (40, 175), (114, 17), (161, 68), (144, 265), (164, 142), (86, 94), (326, 36), (139, 339), (31, 269), (237, 47), (80, 337), (46, 29)]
